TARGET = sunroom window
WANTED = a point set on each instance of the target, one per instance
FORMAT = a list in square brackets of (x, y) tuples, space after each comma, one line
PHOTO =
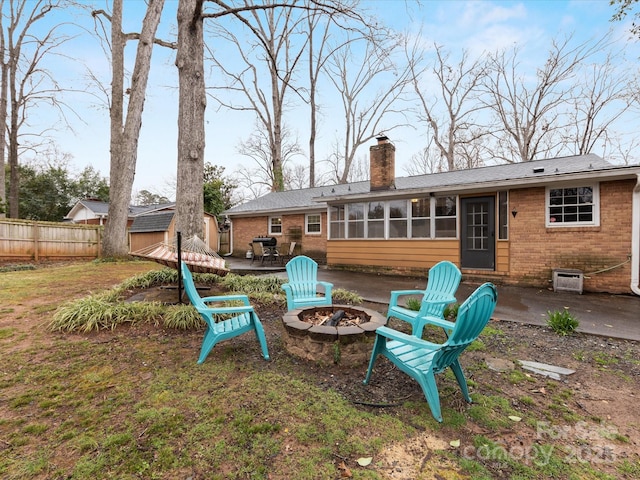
[(446, 221), (398, 219), (355, 220), (421, 217), (375, 220), (336, 221)]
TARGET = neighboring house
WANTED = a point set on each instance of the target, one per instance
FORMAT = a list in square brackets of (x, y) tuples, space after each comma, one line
[(511, 224), (95, 212), (153, 228), (148, 225)]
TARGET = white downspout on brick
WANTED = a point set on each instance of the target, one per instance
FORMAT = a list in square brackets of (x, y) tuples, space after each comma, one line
[(635, 239)]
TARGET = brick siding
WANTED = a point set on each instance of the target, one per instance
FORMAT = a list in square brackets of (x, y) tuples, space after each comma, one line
[(536, 250), (313, 245)]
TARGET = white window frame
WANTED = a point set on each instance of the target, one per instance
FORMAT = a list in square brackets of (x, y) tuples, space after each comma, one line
[(376, 221), (356, 224), (319, 223), (595, 222), (406, 219), (271, 225), (333, 224), (435, 218)]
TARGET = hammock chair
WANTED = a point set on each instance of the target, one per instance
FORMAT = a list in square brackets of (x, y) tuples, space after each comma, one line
[(194, 252)]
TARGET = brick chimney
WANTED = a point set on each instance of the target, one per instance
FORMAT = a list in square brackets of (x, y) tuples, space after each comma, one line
[(382, 164)]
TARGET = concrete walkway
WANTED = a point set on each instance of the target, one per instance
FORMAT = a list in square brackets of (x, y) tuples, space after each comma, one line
[(615, 316)]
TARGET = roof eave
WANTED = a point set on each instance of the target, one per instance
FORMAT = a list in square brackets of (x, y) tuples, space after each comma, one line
[(277, 211), (478, 187)]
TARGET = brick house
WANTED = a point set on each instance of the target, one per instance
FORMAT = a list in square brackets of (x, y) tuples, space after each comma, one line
[(511, 224)]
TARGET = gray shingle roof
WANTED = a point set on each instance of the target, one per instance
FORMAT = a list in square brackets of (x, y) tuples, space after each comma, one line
[(515, 172), (302, 199), (102, 208), (507, 176), (153, 222)]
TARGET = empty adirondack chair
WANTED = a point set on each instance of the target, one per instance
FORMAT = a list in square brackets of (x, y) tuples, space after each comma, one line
[(442, 284), (234, 321), (302, 286), (421, 359)]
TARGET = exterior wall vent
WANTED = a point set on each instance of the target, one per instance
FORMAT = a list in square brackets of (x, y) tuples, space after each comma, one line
[(538, 170), (568, 280)]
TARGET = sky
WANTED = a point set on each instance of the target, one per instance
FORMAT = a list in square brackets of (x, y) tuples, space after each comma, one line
[(457, 24)]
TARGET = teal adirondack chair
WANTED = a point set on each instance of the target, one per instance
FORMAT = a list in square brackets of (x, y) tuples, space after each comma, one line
[(421, 359), (302, 286), (444, 279), (239, 320)]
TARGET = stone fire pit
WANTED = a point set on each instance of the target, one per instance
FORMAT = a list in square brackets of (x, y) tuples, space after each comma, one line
[(348, 343)]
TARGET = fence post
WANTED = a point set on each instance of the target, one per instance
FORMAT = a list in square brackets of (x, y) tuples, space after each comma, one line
[(36, 233)]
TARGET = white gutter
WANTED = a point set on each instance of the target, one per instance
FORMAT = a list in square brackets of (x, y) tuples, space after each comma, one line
[(635, 239)]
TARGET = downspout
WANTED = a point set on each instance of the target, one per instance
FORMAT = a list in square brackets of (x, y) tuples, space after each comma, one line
[(635, 239)]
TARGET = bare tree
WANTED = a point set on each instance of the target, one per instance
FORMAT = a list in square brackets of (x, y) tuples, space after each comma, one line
[(125, 130), (529, 114), (258, 148), (248, 187), (296, 177), (367, 105), (428, 160), (191, 137), (315, 62), (449, 105), (277, 43), (319, 51), (192, 94), (25, 81), (603, 96), (358, 167)]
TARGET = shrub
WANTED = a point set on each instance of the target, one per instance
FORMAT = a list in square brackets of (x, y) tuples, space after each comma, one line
[(451, 312), (413, 304), (562, 322), (340, 295)]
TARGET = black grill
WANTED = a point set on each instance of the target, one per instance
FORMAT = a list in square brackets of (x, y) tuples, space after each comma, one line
[(266, 241)]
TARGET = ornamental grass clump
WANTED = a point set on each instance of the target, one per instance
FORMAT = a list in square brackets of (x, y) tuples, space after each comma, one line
[(562, 322), (340, 295)]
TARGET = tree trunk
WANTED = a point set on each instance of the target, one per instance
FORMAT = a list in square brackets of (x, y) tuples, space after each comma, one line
[(192, 104), (14, 174), (4, 66), (124, 138)]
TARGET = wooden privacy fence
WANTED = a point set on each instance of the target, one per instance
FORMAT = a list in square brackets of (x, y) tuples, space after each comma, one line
[(26, 240)]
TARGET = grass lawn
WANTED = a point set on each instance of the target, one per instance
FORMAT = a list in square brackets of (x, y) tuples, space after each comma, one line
[(131, 402)]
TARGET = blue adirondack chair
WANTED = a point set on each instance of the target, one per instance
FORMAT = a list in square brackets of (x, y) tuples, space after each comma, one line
[(421, 359), (239, 319), (444, 279), (302, 286)]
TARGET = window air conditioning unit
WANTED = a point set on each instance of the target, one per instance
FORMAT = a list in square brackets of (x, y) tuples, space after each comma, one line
[(567, 280)]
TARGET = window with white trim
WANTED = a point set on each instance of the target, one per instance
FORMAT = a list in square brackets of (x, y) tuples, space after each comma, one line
[(275, 225), (398, 219), (355, 220), (336, 221), (573, 206), (446, 222), (375, 220), (421, 217), (312, 224)]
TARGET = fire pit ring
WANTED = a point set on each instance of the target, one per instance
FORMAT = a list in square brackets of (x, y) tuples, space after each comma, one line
[(345, 345)]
